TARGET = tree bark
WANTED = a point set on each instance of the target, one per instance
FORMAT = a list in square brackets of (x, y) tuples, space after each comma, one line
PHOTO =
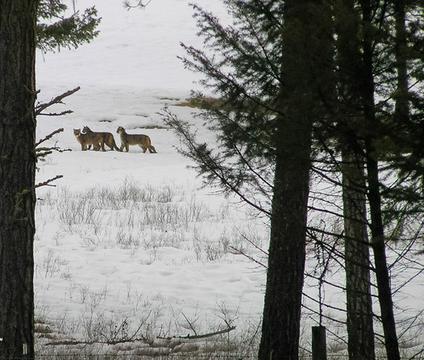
[(374, 196), (17, 177), (305, 63), (379, 249), (357, 260), (401, 106), (358, 287)]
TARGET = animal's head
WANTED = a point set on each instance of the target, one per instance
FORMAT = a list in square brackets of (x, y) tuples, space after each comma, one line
[(86, 129), (120, 130), (77, 132)]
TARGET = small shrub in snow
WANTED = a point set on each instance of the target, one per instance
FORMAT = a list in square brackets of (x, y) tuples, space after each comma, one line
[(50, 265), (127, 240)]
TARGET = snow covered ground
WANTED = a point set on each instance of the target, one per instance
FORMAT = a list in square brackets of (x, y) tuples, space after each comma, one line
[(132, 237)]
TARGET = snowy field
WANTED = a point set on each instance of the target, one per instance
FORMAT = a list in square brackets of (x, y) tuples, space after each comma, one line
[(131, 240)]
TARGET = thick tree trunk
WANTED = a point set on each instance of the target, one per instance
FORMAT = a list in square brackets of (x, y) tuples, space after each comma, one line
[(358, 288), (374, 197), (357, 260), (305, 64), (17, 169), (281, 318)]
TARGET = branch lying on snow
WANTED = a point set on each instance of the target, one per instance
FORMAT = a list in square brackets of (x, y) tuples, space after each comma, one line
[(202, 336), (143, 339), (114, 341), (109, 342), (39, 108)]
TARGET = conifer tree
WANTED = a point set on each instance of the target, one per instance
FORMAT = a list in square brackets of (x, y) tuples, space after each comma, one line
[(359, 312), (382, 130), (270, 74), (58, 27), (19, 36), (17, 177)]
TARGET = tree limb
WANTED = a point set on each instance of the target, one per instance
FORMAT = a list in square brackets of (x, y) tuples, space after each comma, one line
[(57, 100), (49, 136), (48, 182), (201, 336)]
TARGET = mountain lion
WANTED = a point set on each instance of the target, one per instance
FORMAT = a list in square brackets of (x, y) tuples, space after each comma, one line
[(135, 139), (86, 140), (106, 137)]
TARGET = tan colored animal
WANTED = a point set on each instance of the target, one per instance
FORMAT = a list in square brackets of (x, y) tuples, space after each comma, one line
[(86, 140), (107, 138), (135, 139)]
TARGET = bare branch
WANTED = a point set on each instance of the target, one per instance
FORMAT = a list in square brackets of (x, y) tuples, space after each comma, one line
[(39, 108), (48, 182), (240, 252), (49, 136), (110, 342), (190, 324), (202, 336), (56, 114)]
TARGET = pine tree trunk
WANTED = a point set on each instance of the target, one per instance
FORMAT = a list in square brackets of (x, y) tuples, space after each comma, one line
[(305, 63), (357, 259), (402, 106), (17, 171), (379, 249), (374, 197), (358, 289), (281, 318)]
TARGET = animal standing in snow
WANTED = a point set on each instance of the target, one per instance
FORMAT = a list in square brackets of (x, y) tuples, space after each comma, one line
[(106, 138), (135, 139), (86, 140)]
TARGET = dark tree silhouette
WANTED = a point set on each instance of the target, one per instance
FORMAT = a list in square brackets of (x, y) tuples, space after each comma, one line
[(17, 176)]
